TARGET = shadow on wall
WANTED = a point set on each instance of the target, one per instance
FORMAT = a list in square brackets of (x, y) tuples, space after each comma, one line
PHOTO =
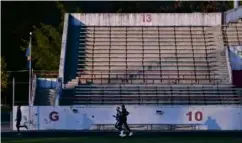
[(75, 48), (86, 122), (212, 124)]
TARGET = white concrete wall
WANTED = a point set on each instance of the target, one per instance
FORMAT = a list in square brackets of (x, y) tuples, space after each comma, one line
[(63, 47), (85, 117), (149, 19)]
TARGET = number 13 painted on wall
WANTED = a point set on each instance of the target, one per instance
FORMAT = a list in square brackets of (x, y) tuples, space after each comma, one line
[(147, 18), (198, 116)]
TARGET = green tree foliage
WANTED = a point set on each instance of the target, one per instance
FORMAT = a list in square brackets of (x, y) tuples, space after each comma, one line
[(46, 43), (4, 75), (46, 46), (60, 6)]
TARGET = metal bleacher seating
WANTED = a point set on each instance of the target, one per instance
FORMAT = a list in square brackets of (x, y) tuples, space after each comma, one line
[(153, 65), (233, 33), (150, 94)]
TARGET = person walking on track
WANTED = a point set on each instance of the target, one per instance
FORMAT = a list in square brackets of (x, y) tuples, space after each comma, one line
[(124, 114)]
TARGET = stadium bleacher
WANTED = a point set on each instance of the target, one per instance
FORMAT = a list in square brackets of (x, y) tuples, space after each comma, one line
[(233, 33), (155, 65)]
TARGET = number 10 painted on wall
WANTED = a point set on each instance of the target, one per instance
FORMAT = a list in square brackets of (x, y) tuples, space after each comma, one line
[(195, 116)]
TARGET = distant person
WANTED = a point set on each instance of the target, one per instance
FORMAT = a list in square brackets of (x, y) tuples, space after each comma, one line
[(118, 125), (124, 114), (19, 119)]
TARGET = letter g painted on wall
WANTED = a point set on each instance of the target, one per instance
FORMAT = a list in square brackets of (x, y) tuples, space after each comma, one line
[(54, 116)]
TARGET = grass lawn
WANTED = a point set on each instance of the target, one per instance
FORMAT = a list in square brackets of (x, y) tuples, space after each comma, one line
[(125, 140)]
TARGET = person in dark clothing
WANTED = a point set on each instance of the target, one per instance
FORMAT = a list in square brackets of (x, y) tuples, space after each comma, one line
[(124, 115), (118, 117), (19, 119)]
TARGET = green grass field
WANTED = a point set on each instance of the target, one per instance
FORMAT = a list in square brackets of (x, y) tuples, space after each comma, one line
[(125, 140)]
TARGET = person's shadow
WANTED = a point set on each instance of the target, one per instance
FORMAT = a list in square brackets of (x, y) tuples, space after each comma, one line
[(86, 122), (212, 124)]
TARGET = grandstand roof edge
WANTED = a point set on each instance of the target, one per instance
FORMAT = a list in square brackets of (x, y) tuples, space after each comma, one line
[(151, 13), (141, 19)]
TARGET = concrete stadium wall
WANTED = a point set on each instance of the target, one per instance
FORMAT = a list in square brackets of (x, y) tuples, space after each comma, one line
[(89, 117), (72, 47), (232, 15), (150, 19), (71, 50), (45, 92), (63, 47)]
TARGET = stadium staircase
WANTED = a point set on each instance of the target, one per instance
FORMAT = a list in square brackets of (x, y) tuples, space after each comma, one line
[(154, 65)]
